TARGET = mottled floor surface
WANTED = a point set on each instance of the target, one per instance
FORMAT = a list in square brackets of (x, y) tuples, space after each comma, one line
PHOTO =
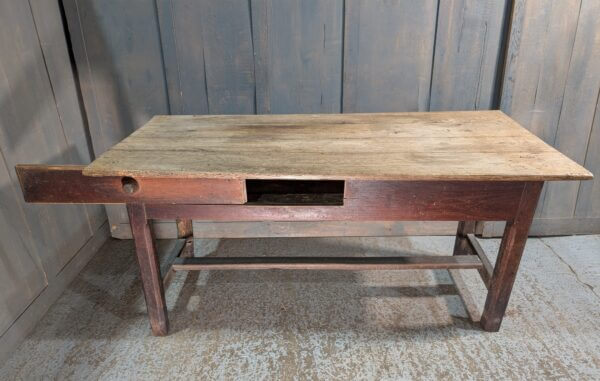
[(324, 325)]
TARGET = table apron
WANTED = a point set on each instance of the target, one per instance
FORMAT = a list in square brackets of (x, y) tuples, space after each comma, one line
[(374, 201), (225, 199)]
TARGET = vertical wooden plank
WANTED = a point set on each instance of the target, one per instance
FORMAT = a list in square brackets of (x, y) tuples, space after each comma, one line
[(350, 67), (578, 109), (30, 130), (164, 9), (21, 275), (84, 71), (215, 55), (461, 244), (119, 50), (229, 56), (185, 228), (388, 55), (51, 33), (298, 55), (588, 200), (467, 49), (262, 14), (541, 41), (189, 47), (49, 26)]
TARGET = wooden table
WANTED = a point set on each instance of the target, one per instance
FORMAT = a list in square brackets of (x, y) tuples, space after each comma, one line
[(449, 166)]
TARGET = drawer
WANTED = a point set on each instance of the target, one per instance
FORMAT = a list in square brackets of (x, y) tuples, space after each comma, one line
[(67, 184)]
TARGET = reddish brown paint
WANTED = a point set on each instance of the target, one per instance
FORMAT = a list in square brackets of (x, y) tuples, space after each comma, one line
[(66, 184), (509, 257), (152, 283), (150, 198)]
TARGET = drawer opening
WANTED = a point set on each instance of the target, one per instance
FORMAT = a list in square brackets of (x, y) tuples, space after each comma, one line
[(295, 192)]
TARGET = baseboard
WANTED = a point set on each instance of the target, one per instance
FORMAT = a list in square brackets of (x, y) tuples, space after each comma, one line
[(168, 230), (162, 230), (549, 226), (25, 323), (540, 227)]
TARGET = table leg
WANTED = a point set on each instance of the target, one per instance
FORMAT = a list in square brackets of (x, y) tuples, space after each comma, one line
[(509, 256), (184, 228), (149, 269), (461, 245)]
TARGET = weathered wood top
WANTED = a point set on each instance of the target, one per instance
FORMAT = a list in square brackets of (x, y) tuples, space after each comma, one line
[(466, 145)]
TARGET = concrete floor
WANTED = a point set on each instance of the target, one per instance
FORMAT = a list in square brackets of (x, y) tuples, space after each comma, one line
[(324, 325)]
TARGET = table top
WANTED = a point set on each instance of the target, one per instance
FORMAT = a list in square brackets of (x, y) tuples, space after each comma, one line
[(463, 145)]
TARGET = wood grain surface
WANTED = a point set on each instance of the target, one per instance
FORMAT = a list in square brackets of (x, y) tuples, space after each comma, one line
[(476, 145)]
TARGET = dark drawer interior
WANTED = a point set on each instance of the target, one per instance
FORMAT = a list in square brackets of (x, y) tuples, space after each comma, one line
[(295, 192)]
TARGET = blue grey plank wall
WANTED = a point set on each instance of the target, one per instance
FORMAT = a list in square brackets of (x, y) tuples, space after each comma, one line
[(551, 86), (467, 51), (120, 64), (388, 55), (118, 51), (213, 43), (304, 56), (298, 55), (42, 247)]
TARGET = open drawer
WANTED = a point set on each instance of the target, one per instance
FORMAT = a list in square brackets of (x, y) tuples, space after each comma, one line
[(295, 192)]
